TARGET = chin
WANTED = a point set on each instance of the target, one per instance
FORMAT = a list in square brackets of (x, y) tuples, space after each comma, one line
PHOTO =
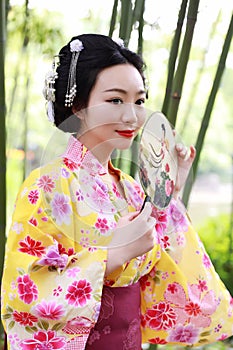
[(123, 144)]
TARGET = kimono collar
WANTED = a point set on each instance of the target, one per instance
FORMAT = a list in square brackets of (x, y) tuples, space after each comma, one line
[(81, 156)]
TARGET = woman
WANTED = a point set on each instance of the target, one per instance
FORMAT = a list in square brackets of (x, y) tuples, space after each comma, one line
[(85, 268)]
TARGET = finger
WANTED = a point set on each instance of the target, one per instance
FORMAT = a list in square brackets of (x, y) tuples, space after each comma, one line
[(192, 152), (182, 150), (132, 216), (146, 211), (151, 222)]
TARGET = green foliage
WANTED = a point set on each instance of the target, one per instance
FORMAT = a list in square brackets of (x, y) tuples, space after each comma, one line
[(217, 237), (39, 27)]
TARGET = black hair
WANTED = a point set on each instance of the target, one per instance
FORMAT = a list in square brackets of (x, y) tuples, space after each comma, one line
[(99, 52)]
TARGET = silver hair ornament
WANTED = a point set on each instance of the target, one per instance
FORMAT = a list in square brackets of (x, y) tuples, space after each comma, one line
[(49, 91), (76, 46)]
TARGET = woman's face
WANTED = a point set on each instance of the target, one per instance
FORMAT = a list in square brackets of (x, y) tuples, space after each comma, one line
[(115, 110)]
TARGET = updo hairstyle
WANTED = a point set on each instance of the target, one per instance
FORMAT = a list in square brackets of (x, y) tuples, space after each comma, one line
[(99, 52)]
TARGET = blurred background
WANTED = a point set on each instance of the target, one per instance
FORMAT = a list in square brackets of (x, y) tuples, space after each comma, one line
[(189, 55)]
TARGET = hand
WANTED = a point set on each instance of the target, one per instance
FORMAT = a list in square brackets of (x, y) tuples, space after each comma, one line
[(133, 226), (134, 236), (185, 160)]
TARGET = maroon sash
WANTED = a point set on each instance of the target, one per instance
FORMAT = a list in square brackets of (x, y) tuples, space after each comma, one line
[(118, 325)]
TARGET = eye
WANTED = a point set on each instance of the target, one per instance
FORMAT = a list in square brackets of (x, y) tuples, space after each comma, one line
[(115, 101), (140, 102)]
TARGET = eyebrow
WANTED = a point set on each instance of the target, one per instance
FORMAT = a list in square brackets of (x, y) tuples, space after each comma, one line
[(123, 91)]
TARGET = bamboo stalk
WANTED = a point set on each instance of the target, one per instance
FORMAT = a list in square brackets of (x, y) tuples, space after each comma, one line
[(126, 20), (183, 62), (195, 87), (173, 55), (2, 139), (140, 29), (208, 110), (113, 18), (134, 148)]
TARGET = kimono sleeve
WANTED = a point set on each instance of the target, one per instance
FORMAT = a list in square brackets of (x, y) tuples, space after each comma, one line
[(184, 301), (51, 287)]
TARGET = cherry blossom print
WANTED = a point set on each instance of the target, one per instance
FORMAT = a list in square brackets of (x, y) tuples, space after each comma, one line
[(192, 309), (157, 340), (17, 227), (46, 183), (167, 168), (115, 190), (39, 211), (27, 289), (54, 258), (79, 195), (13, 340), (62, 250), (196, 308), (206, 261), (33, 196), (24, 318), (61, 209), (70, 164), (161, 220), (78, 293), (43, 340), (144, 282), (134, 194), (57, 291), (99, 195), (169, 187), (72, 273), (165, 242), (184, 334), (202, 285), (102, 225), (177, 216), (99, 184), (49, 310), (33, 221), (65, 173), (180, 239), (31, 247), (223, 337), (161, 316), (218, 328)]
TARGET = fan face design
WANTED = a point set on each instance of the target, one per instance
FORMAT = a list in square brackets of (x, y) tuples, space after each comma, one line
[(158, 160)]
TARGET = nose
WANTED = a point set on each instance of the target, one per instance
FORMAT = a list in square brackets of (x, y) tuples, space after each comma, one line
[(129, 114)]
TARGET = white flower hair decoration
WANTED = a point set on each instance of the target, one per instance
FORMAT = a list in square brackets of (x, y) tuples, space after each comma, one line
[(76, 46), (120, 42)]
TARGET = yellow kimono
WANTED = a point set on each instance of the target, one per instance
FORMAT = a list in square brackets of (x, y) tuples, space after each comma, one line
[(56, 256)]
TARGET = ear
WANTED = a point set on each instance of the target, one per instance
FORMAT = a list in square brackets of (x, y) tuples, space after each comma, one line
[(79, 114)]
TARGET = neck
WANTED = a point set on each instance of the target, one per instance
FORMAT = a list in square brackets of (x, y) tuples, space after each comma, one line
[(101, 151)]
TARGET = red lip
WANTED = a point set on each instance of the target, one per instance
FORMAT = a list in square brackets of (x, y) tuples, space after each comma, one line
[(126, 133)]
